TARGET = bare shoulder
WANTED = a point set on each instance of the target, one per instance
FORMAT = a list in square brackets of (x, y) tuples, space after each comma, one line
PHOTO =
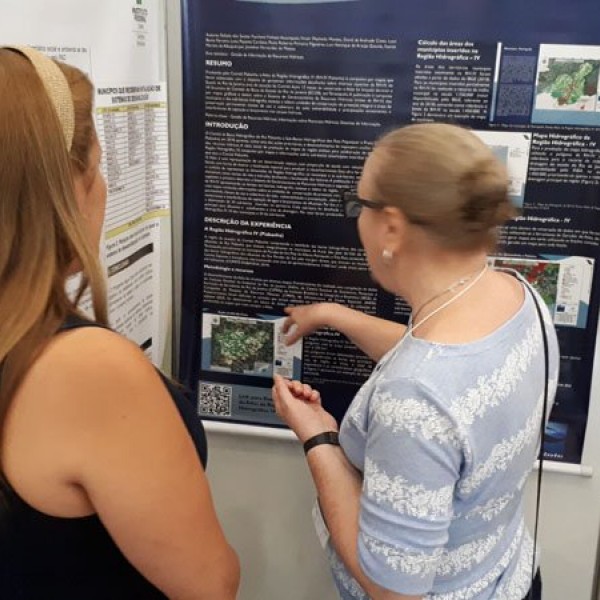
[(90, 367), (510, 283), (89, 395), (91, 348), (91, 355), (495, 300), (506, 295)]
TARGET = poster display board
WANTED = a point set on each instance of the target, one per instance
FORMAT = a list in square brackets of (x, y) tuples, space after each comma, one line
[(126, 67), (282, 102)]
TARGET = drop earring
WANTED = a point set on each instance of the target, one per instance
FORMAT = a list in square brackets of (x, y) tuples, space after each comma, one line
[(387, 256)]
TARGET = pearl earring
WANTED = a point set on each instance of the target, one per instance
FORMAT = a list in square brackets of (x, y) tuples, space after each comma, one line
[(387, 256)]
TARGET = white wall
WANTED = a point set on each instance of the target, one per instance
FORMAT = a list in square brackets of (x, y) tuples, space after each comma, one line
[(264, 496), (568, 535)]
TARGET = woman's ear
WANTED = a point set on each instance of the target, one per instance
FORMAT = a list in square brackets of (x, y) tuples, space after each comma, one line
[(395, 228)]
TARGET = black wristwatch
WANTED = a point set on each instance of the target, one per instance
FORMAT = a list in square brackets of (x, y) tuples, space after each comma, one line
[(327, 437)]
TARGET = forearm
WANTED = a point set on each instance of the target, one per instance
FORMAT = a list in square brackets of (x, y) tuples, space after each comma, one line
[(339, 488), (374, 336), (339, 485)]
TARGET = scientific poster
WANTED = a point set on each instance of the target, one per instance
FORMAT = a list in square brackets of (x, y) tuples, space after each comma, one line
[(127, 69), (282, 102)]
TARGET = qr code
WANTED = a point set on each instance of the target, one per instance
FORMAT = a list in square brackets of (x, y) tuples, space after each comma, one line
[(215, 400)]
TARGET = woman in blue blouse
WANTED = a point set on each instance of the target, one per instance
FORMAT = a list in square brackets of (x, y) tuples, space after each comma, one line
[(423, 496)]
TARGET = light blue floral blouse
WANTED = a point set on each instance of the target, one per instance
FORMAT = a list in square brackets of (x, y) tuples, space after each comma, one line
[(446, 436)]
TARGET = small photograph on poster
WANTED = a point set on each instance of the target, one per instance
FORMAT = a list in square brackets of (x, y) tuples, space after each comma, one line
[(512, 148), (567, 85), (564, 283), (555, 440), (249, 347)]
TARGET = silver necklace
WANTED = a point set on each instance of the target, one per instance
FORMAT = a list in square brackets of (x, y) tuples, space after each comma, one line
[(451, 288), (410, 327), (473, 280)]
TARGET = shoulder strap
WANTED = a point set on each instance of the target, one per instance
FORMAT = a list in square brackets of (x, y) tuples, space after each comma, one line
[(74, 321), (542, 429)]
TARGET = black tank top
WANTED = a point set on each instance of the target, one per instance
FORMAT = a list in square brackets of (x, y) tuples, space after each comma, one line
[(44, 557)]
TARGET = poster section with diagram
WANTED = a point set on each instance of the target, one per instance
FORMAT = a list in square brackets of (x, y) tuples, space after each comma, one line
[(280, 114), (131, 123)]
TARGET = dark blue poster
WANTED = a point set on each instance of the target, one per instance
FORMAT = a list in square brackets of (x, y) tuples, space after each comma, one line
[(282, 102)]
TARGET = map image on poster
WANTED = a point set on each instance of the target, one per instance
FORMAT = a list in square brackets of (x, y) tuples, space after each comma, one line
[(567, 82), (252, 347), (563, 284), (241, 346)]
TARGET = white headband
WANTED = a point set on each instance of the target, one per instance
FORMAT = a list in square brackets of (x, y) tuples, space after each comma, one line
[(57, 88)]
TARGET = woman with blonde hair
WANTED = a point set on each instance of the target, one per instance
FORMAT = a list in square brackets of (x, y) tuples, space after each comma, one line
[(102, 488), (422, 489)]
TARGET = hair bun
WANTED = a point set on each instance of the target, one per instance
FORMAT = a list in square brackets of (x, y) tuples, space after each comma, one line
[(485, 190), (445, 179)]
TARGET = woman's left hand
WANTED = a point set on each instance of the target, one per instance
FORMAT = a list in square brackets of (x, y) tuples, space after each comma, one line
[(299, 406)]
